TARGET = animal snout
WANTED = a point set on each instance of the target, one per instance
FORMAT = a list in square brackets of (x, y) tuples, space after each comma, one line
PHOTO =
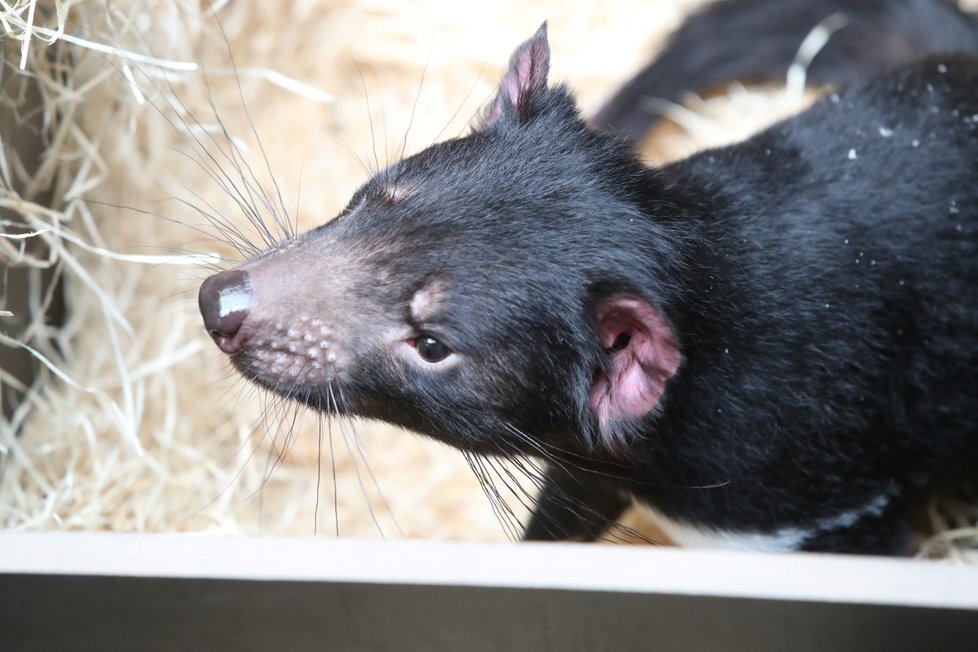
[(225, 300)]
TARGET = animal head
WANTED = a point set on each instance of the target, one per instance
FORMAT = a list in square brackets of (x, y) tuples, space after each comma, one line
[(498, 291)]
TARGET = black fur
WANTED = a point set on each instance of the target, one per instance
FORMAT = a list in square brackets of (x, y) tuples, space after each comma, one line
[(821, 279), (757, 40)]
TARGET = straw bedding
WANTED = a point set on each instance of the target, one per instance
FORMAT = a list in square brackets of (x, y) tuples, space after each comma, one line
[(138, 109)]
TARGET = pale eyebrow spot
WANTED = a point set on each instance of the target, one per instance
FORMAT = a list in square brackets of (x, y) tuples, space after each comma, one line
[(427, 300), (398, 192)]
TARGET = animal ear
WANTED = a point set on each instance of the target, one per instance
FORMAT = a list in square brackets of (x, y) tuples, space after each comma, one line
[(642, 354), (525, 80)]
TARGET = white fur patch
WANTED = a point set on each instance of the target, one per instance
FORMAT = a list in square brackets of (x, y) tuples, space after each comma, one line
[(691, 536), (782, 540), (396, 192), (426, 301)]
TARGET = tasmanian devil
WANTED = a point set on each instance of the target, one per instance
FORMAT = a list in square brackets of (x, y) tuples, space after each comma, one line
[(757, 41), (772, 345)]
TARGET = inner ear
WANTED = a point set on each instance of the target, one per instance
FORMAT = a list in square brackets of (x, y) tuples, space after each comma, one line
[(525, 79), (642, 355)]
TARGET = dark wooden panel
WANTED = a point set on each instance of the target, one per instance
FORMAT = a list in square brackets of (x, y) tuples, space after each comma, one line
[(57, 612)]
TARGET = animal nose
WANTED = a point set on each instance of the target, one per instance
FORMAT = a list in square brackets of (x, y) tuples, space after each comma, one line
[(225, 300)]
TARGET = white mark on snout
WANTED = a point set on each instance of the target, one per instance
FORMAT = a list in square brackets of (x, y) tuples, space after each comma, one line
[(234, 300)]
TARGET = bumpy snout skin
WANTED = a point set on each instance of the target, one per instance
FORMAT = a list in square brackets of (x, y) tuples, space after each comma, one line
[(294, 318)]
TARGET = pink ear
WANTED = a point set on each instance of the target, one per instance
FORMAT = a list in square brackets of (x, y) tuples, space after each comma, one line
[(642, 355), (526, 76)]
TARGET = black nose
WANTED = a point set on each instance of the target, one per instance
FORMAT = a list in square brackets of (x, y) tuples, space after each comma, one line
[(224, 301)]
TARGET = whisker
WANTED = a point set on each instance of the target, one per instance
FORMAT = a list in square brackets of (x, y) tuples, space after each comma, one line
[(536, 476), (332, 461), (349, 150), (319, 476), (490, 494), (417, 97), (370, 119), (508, 517), (459, 108), (283, 223), (373, 479), (356, 466), (214, 169)]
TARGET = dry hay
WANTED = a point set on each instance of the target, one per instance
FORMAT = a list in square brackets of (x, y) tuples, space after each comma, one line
[(135, 422)]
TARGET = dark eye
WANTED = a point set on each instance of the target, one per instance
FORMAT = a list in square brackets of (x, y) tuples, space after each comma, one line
[(431, 349)]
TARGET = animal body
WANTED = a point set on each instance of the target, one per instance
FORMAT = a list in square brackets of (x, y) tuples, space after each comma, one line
[(758, 40), (773, 345)]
